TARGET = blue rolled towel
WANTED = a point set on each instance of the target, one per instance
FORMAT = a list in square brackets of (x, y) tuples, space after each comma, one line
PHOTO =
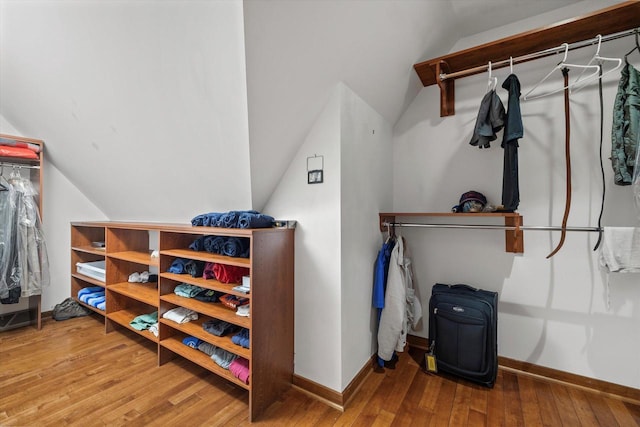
[(177, 266), (228, 220), (89, 290), (94, 301), (102, 306), (254, 220), (241, 338), (207, 219), (236, 247), (84, 298), (198, 244), (197, 220), (192, 342), (214, 244)]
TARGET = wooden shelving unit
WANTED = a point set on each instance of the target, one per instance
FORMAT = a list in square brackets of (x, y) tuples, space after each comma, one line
[(37, 180), (270, 323), (514, 239)]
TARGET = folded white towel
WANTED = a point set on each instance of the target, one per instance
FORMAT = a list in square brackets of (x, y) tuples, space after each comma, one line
[(180, 315), (620, 252)]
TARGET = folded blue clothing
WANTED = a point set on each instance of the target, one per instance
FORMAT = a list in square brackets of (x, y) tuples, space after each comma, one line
[(228, 220), (214, 244), (93, 302), (194, 268), (219, 327), (192, 342), (241, 338), (198, 244), (89, 290), (208, 219), (84, 298), (254, 220), (177, 266), (236, 247), (102, 306)]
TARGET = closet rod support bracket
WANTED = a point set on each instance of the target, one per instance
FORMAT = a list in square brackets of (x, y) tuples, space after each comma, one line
[(514, 239), (447, 90)]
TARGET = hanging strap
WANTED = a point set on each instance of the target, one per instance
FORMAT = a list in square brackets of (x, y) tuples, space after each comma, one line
[(601, 165), (567, 155)]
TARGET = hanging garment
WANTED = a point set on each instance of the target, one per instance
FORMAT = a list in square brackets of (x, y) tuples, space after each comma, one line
[(380, 280), (490, 120), (620, 251), (24, 263), (567, 155), (398, 315), (513, 130), (625, 132)]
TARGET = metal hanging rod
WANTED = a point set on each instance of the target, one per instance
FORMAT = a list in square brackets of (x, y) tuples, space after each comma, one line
[(19, 165), (539, 54), (493, 227)]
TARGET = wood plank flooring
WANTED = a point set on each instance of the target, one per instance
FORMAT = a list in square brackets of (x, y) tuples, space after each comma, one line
[(71, 373)]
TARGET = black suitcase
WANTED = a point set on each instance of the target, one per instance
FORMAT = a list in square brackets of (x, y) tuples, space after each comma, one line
[(463, 332)]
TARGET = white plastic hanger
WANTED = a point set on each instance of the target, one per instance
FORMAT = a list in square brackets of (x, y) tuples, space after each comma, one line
[(493, 81), (511, 65), (561, 65), (579, 83)]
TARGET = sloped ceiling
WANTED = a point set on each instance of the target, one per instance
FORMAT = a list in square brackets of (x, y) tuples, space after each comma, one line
[(297, 51), (144, 103)]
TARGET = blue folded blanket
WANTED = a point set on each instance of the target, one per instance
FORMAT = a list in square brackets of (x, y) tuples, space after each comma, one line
[(85, 298), (198, 244), (94, 301), (236, 247), (177, 266), (102, 306), (214, 244), (254, 220), (89, 290), (208, 219), (241, 338)]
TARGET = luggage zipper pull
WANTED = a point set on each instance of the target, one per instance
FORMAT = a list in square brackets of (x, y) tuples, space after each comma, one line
[(435, 310)]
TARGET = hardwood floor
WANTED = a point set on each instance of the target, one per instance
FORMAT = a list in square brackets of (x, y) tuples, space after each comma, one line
[(71, 373)]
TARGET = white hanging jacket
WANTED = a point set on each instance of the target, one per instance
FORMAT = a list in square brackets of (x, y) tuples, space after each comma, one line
[(398, 314)]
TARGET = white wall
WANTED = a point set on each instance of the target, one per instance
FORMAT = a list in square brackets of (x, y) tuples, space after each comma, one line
[(316, 207), (558, 313), (366, 175), (337, 237), (143, 105), (63, 203)]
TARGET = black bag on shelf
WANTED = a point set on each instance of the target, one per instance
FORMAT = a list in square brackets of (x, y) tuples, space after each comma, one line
[(463, 332)]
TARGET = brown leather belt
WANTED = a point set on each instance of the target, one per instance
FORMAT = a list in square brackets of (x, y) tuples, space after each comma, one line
[(567, 155)]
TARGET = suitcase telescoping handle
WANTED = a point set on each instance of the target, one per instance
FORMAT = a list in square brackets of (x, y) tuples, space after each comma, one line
[(467, 287)]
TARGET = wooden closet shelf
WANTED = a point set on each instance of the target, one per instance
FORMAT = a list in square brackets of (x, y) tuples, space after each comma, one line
[(89, 250), (143, 292), (194, 328), (216, 310), (514, 239), (212, 284), (175, 344), (124, 318), (610, 20), (207, 257), (138, 257), (88, 279)]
